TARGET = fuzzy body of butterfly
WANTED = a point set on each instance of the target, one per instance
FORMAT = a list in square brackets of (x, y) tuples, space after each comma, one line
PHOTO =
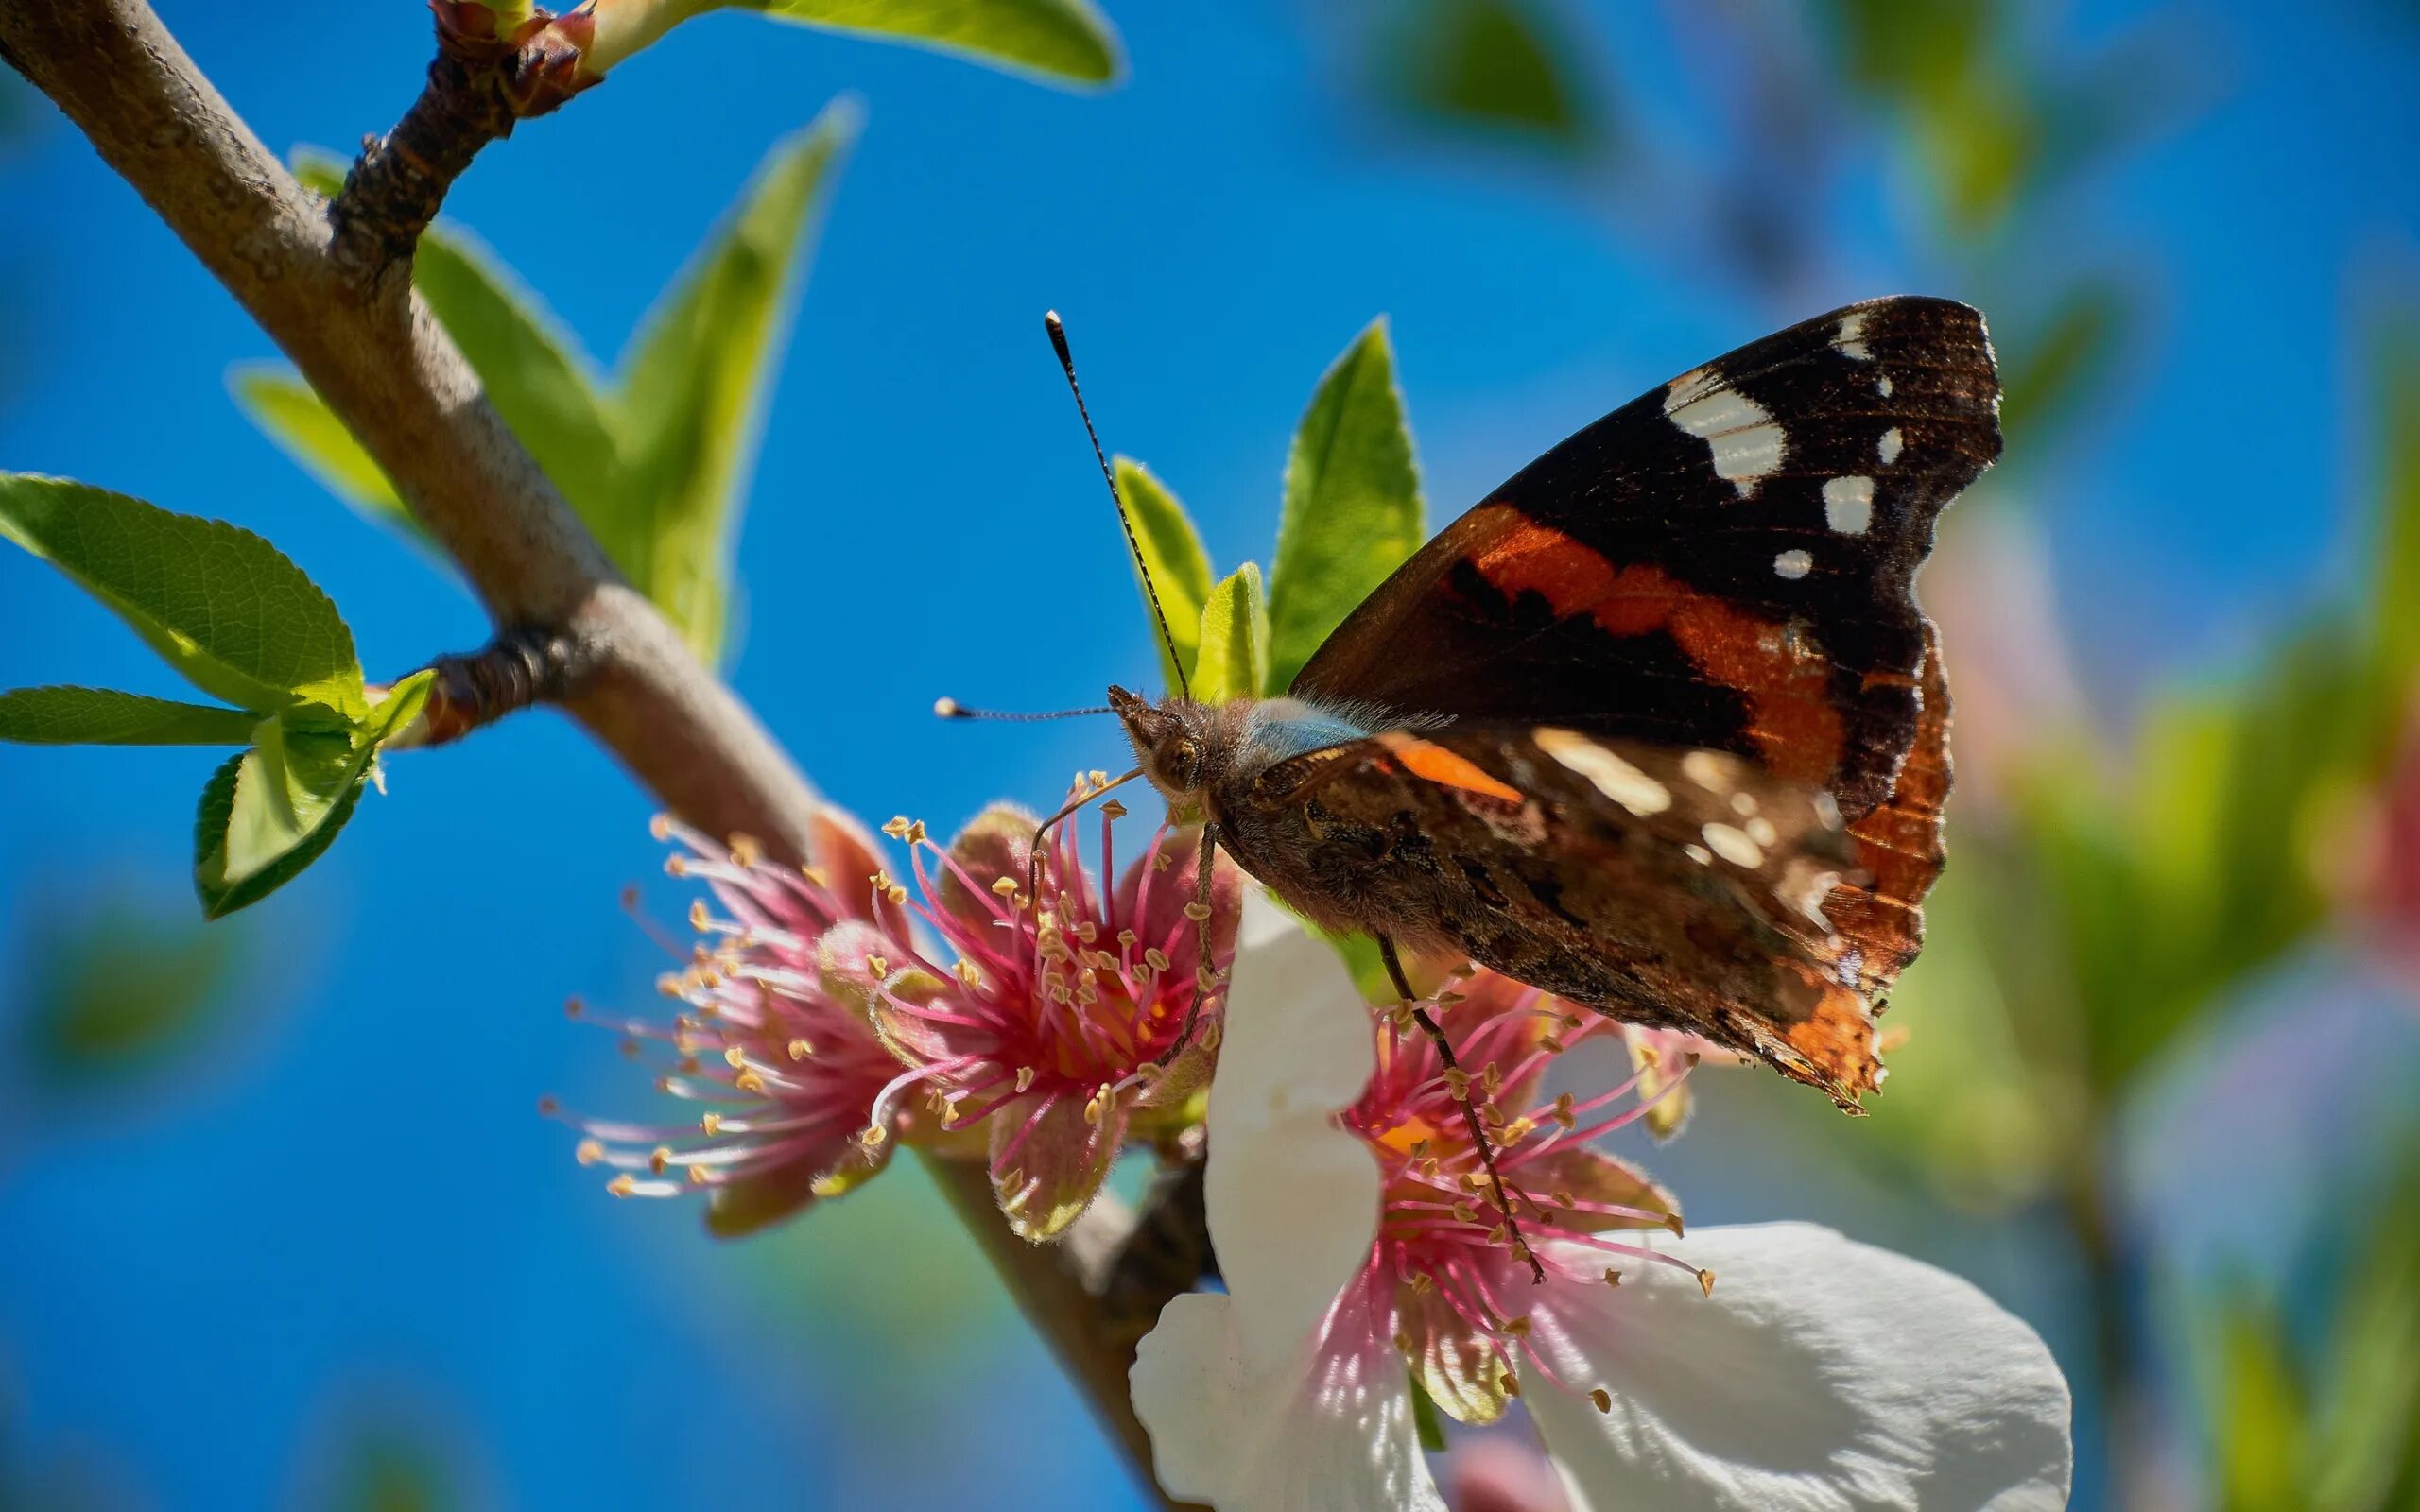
[(1657, 726)]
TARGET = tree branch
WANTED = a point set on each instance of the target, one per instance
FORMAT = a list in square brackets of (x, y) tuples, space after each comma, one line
[(402, 388)]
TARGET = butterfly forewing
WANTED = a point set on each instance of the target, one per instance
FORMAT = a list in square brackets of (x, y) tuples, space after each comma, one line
[(1726, 561)]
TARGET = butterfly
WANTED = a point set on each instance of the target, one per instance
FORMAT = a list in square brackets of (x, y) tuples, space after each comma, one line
[(1657, 726)]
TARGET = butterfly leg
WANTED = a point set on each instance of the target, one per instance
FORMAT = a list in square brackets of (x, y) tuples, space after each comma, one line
[(1461, 1088), (1205, 973)]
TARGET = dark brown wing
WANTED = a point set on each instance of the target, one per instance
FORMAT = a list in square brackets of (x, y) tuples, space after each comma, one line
[(1726, 562), (1682, 888)]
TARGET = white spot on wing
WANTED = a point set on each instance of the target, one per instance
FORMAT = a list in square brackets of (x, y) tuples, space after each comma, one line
[(1698, 855), (1882, 383), (1614, 777), (1745, 442), (1889, 450), (1792, 564), (1733, 845), (1707, 770), (1848, 505), (1851, 340)]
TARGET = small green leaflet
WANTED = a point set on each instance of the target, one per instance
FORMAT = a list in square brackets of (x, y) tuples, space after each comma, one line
[(1234, 660), (1352, 510), (269, 813), (220, 605), (1066, 40), (1174, 563)]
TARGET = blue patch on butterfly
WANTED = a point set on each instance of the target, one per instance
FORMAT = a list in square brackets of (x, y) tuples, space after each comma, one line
[(1282, 729)]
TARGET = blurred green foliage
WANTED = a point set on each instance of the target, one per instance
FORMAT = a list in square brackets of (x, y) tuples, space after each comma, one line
[(1496, 66), (115, 990), (656, 462)]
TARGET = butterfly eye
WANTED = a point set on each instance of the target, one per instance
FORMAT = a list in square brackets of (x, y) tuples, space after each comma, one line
[(1184, 762)]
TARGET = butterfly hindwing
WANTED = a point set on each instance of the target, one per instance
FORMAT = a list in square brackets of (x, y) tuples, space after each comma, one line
[(1725, 563), (1664, 885)]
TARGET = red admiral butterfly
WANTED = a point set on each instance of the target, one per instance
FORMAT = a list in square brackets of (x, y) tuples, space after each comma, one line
[(1658, 727)]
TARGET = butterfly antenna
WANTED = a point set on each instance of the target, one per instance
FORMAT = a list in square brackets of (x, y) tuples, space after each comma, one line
[(952, 709), (1108, 476)]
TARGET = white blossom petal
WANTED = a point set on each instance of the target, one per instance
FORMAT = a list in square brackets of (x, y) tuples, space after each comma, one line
[(1284, 1395), (1822, 1375), (1293, 1199), (1330, 1432)]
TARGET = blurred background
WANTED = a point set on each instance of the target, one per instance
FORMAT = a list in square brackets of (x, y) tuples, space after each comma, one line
[(279, 1222)]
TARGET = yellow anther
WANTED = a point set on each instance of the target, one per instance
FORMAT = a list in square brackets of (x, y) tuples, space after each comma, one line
[(1458, 1082), (800, 1048), (673, 866), (735, 1058), (1113, 810), (816, 875), (1613, 1277), (1211, 1036), (967, 973), (1402, 1342), (916, 833), (1465, 1212), (1510, 1383), (747, 850), (1673, 1223), (1516, 1327), (879, 965), (897, 828), (1705, 1281), (748, 1081), (1422, 1284), (1025, 1079), (621, 1186), (699, 1176), (1563, 1197), (590, 1152), (1197, 912), (711, 1124), (1552, 1044), (660, 827), (897, 894), (659, 1158), (873, 1136), (1602, 1400), (1004, 885)]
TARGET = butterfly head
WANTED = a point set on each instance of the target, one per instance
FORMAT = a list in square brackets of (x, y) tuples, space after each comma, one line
[(1172, 741)]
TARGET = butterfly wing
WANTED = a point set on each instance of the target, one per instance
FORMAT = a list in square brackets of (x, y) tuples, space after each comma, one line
[(1725, 563), (1556, 858)]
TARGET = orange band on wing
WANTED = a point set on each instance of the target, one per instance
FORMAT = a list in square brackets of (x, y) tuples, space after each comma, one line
[(1437, 765), (1795, 726)]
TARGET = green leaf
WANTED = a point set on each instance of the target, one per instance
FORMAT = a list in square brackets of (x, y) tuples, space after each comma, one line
[(1495, 64), (220, 605), (1233, 657), (403, 704), (104, 716), (697, 384), (293, 415), (1057, 39), (1352, 510), (2063, 356), (540, 384), (2394, 599), (1174, 565), (269, 813)]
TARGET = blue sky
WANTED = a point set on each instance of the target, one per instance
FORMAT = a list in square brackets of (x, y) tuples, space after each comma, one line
[(350, 1199)]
